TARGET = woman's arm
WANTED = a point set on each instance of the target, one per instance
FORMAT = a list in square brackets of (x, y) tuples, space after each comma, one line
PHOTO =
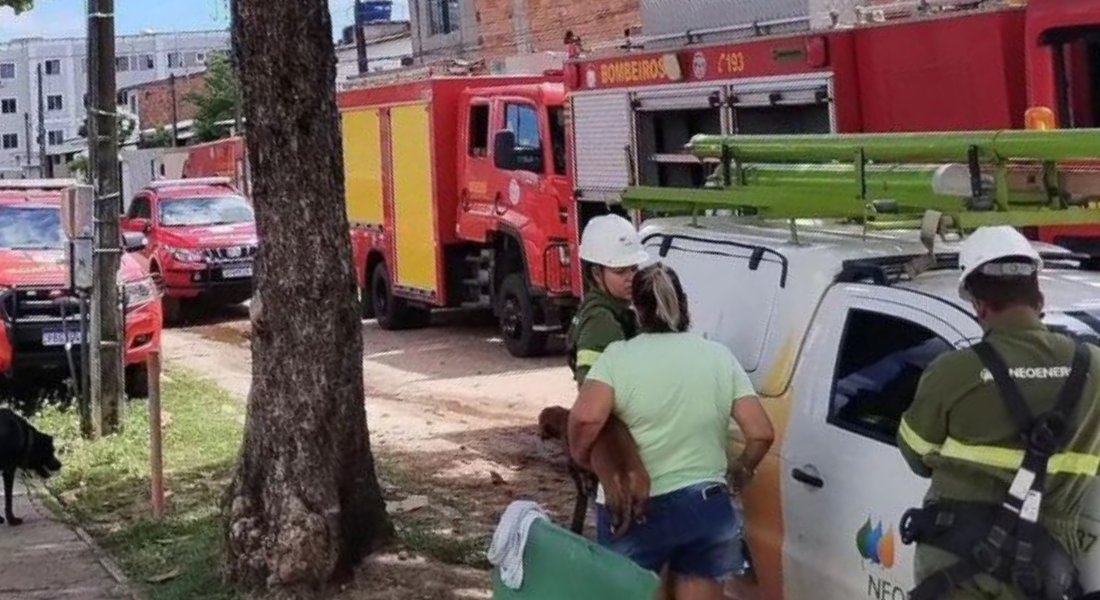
[(757, 429), (589, 414)]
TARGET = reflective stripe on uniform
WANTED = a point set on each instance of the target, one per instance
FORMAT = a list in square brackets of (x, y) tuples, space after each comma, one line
[(912, 439), (587, 358), (1070, 463)]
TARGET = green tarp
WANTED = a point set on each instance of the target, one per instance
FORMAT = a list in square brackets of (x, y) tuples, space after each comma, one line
[(560, 565)]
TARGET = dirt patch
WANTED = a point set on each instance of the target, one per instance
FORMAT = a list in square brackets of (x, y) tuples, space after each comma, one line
[(452, 418)]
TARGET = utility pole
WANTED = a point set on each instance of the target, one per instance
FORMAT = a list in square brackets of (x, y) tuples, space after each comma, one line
[(360, 38), (29, 141), (175, 115), (105, 344), (43, 168)]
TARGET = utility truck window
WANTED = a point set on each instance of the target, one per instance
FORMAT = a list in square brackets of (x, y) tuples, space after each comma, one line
[(879, 365), (523, 120), (31, 228), (200, 212)]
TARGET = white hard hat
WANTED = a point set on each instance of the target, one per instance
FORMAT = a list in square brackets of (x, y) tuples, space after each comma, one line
[(988, 244), (611, 241)]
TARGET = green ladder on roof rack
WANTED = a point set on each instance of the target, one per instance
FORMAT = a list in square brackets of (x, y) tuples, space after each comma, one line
[(889, 181)]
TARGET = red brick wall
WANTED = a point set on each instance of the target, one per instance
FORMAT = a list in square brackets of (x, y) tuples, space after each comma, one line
[(155, 100), (548, 20)]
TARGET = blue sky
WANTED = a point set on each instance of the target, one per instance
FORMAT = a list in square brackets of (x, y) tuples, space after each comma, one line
[(57, 18)]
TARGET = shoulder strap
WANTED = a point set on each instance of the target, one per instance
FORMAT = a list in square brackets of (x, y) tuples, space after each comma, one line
[(1010, 392)]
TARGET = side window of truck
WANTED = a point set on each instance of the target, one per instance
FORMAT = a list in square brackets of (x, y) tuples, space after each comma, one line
[(878, 367), (523, 120), (139, 208), (479, 130)]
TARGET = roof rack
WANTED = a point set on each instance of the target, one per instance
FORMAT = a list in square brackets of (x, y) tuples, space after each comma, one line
[(192, 181), (888, 270), (893, 181), (36, 184)]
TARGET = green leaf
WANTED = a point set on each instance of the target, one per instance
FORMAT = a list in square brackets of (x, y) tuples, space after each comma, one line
[(19, 6)]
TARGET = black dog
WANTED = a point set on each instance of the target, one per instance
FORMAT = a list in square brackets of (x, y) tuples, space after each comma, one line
[(23, 447)]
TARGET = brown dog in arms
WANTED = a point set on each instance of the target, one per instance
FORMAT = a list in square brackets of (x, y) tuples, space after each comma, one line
[(615, 461)]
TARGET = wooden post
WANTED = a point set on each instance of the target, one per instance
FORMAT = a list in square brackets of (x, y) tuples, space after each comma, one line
[(156, 463)]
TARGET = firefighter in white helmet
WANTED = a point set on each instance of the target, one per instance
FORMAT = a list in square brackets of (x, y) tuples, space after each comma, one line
[(1002, 429), (611, 252)]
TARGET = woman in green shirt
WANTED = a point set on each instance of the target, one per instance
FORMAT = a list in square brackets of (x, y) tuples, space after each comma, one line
[(676, 391)]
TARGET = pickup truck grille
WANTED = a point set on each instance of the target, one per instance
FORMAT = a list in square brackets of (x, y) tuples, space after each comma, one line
[(229, 253), (37, 305)]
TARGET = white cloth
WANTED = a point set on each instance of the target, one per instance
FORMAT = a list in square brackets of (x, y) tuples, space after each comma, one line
[(510, 539)]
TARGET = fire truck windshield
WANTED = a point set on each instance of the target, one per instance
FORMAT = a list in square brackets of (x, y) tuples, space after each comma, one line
[(199, 212), (31, 228)]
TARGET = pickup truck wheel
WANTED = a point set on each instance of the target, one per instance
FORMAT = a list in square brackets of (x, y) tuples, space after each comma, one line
[(516, 311), (137, 381), (393, 313)]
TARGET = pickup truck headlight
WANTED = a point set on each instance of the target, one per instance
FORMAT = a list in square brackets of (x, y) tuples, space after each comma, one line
[(185, 255), (140, 292)]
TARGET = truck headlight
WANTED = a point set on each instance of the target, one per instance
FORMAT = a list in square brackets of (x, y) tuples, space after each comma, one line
[(140, 292), (186, 255)]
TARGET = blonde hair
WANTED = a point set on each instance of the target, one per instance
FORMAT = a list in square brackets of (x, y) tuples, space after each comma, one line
[(659, 300)]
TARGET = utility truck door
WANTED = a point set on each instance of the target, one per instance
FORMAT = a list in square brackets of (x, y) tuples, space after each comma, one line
[(847, 484)]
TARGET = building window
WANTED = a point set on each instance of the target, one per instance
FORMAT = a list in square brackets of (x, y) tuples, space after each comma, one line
[(54, 102), (174, 60), (148, 62), (8, 106), (122, 63), (52, 67), (7, 70), (56, 137), (9, 141), (443, 17)]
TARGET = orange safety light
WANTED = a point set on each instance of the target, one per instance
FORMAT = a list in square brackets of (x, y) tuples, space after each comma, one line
[(1040, 118)]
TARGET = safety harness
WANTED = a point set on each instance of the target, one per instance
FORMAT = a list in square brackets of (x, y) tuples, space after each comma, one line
[(1006, 541)]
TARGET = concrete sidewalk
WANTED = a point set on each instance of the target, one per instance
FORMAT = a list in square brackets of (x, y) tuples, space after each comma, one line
[(45, 559)]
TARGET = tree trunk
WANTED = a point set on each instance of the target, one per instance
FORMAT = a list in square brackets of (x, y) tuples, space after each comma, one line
[(304, 506)]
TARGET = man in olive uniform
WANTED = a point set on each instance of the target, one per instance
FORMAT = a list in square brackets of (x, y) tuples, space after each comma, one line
[(966, 431)]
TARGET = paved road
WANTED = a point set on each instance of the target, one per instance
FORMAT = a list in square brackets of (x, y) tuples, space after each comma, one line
[(44, 559)]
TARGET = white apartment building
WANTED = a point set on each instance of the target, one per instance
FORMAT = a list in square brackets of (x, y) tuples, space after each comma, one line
[(140, 59)]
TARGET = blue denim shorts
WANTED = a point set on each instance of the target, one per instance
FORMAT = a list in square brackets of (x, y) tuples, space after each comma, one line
[(696, 531)]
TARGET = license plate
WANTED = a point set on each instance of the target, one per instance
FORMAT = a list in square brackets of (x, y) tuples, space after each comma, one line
[(59, 338), (237, 273)]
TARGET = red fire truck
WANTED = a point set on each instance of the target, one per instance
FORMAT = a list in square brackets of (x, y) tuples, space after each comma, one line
[(962, 66), (472, 190)]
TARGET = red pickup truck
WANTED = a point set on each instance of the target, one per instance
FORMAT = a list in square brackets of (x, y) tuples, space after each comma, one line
[(41, 315), (202, 241)]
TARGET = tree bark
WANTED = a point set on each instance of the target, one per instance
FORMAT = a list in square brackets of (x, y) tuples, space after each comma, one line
[(304, 506)]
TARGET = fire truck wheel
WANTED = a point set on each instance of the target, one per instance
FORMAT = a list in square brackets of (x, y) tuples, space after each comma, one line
[(366, 303), (516, 311), (393, 313), (137, 381), (172, 309)]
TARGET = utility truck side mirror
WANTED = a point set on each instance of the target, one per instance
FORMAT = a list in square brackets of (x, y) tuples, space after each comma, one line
[(504, 150), (134, 241)]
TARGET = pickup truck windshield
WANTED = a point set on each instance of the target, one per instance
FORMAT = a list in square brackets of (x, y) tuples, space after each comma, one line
[(197, 212), (31, 228)]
